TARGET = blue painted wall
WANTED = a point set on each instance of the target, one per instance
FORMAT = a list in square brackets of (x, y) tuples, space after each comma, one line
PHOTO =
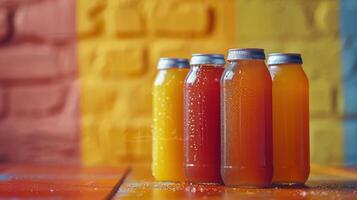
[(349, 48)]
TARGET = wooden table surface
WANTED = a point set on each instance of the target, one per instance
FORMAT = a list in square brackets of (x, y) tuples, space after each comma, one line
[(324, 183), (65, 182)]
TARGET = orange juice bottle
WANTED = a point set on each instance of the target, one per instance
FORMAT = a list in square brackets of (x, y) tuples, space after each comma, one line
[(290, 119), (167, 146), (246, 142)]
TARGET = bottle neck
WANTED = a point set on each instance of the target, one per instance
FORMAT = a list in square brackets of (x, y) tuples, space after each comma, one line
[(286, 66), (208, 66), (248, 61)]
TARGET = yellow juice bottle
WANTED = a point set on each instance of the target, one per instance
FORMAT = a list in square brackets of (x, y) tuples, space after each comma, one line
[(167, 146)]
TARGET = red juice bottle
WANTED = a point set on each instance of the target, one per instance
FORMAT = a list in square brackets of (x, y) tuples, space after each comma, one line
[(202, 118)]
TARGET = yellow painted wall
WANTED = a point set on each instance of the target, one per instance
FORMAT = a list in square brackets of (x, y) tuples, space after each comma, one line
[(120, 42), (311, 28)]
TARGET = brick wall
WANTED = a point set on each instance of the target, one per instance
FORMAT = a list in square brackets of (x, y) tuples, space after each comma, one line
[(120, 43), (39, 109), (312, 28)]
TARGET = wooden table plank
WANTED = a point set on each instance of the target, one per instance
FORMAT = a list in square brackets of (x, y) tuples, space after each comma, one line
[(26, 181)]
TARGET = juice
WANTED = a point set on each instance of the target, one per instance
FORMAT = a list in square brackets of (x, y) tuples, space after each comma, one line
[(168, 153), (202, 118), (246, 120), (290, 119)]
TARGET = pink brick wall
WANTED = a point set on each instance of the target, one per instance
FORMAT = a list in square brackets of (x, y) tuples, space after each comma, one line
[(39, 111)]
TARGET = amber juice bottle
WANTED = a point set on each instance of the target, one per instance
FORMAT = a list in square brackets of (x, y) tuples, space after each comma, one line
[(290, 119), (246, 88)]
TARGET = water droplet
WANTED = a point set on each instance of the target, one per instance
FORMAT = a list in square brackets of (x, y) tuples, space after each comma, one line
[(303, 194)]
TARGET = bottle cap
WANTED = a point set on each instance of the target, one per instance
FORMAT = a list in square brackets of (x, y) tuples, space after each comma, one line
[(284, 58), (246, 54), (218, 59), (165, 63), (200, 59)]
